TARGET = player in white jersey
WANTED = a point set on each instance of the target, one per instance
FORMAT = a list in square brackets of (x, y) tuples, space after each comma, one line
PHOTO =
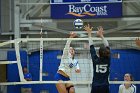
[(127, 87), (68, 62)]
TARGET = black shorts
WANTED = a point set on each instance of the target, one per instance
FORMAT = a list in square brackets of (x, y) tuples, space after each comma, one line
[(100, 89)]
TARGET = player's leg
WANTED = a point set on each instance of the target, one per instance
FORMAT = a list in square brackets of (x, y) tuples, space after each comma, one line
[(70, 88), (107, 89), (95, 89), (61, 87), (104, 89)]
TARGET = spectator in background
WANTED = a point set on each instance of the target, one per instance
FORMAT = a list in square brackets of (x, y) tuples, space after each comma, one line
[(26, 88), (127, 87)]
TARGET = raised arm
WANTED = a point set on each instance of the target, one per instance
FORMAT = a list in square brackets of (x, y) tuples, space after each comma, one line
[(92, 48), (67, 46), (100, 34), (88, 29)]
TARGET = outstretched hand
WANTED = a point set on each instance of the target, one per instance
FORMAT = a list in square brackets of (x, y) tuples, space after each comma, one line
[(88, 28), (137, 41), (100, 31), (72, 35)]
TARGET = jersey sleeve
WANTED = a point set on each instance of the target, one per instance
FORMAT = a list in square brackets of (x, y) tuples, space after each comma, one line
[(76, 65), (135, 89), (92, 49), (105, 42), (66, 51), (120, 89)]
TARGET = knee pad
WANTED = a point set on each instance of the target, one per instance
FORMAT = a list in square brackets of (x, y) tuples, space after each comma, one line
[(68, 88)]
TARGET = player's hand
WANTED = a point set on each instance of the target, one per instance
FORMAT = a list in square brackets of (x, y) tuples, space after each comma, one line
[(100, 31), (137, 41), (77, 70), (88, 28), (72, 34)]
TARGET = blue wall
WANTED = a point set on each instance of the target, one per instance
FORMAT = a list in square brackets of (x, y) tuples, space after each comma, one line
[(12, 70), (50, 66)]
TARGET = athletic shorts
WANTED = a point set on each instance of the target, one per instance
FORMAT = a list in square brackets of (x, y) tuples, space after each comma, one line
[(58, 77), (100, 89)]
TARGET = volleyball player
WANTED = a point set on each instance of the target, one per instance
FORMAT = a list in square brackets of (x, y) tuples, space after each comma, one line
[(127, 87), (101, 62), (137, 42), (68, 62)]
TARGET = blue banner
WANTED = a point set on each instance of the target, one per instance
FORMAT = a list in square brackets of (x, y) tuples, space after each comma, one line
[(63, 1), (92, 10)]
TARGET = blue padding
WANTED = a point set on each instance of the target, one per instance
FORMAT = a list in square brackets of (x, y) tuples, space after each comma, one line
[(50, 66), (14, 89), (34, 65), (12, 70)]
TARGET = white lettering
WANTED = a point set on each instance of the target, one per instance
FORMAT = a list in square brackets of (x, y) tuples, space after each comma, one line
[(81, 9), (71, 8), (101, 68), (86, 8), (102, 10)]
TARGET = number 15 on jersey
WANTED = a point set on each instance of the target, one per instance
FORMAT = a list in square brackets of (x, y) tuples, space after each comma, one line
[(101, 68)]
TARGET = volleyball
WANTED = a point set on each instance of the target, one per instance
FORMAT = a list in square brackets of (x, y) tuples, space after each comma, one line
[(78, 23)]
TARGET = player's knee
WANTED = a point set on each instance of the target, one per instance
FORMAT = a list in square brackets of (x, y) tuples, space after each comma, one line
[(72, 90)]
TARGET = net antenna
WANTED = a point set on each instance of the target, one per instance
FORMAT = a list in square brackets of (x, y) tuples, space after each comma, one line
[(41, 49)]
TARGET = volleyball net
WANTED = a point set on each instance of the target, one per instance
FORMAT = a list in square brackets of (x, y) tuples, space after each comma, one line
[(42, 56)]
